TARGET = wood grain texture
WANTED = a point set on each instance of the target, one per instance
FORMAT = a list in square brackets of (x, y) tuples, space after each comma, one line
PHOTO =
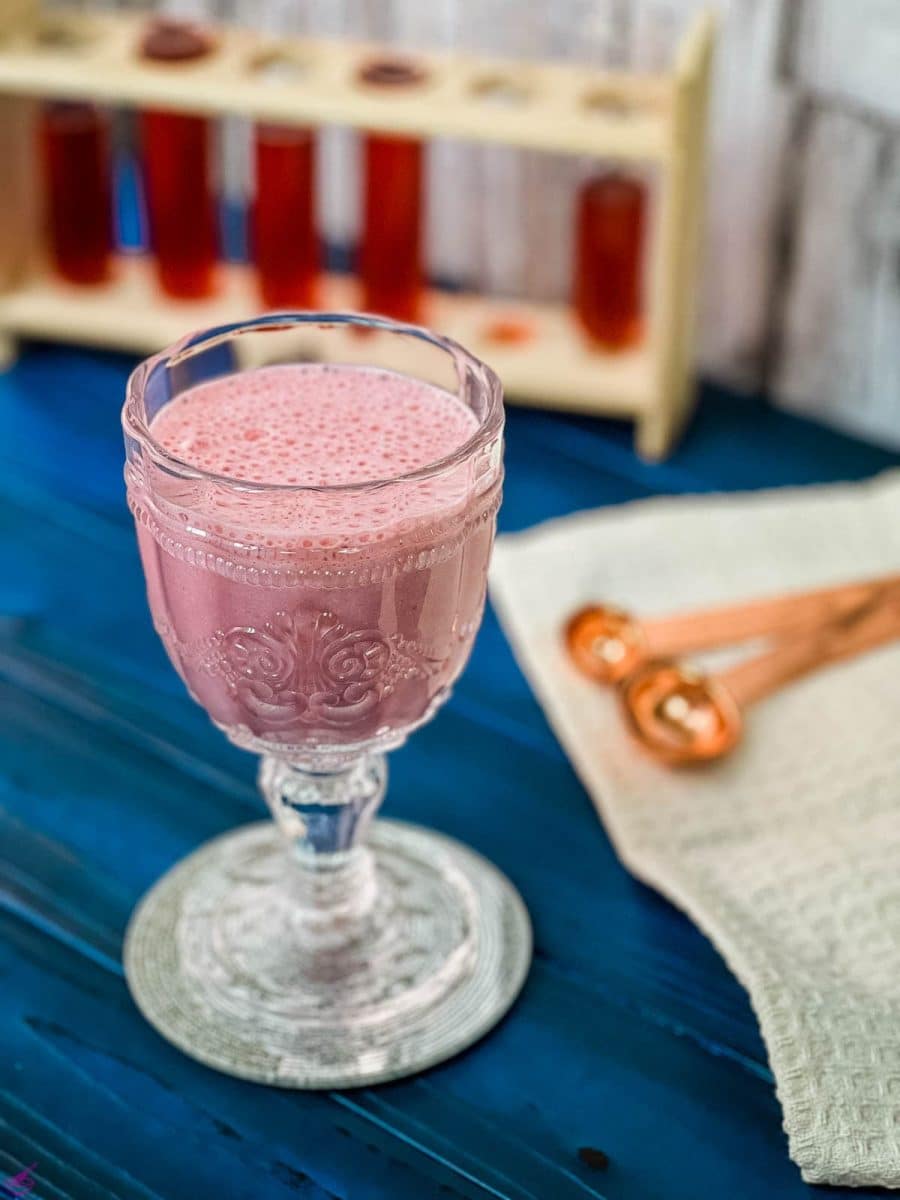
[(19, 206), (630, 1035), (848, 54), (750, 131), (839, 353)]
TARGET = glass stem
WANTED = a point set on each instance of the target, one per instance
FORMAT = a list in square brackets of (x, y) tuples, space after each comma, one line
[(325, 816)]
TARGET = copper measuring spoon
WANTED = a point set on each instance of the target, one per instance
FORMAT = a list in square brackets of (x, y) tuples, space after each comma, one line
[(607, 644), (682, 716)]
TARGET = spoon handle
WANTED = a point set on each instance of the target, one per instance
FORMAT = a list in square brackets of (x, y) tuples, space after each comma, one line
[(778, 616), (871, 624)]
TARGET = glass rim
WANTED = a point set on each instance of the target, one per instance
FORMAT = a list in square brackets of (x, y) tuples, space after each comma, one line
[(137, 427)]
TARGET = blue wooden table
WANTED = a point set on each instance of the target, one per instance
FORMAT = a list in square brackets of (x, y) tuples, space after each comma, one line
[(631, 1037)]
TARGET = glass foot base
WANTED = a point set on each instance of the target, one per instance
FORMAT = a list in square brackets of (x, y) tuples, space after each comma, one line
[(217, 959)]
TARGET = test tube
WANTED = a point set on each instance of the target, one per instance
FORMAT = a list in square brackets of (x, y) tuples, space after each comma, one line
[(390, 259), (176, 156), (285, 244), (609, 255), (75, 146)]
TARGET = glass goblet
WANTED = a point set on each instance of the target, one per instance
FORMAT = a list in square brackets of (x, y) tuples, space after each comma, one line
[(318, 626)]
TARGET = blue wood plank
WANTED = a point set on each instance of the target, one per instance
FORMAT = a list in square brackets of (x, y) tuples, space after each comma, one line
[(630, 1036), (659, 968), (110, 1093), (558, 1039), (190, 735), (504, 1084)]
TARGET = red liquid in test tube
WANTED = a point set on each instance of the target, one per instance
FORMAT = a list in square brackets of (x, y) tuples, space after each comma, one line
[(75, 145), (610, 234), (181, 211), (285, 244), (390, 259), (176, 155), (390, 267)]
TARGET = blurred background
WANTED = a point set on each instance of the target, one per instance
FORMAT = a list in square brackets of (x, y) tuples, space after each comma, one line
[(801, 295), (801, 280)]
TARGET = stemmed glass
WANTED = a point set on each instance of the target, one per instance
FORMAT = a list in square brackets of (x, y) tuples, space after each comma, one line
[(318, 626)]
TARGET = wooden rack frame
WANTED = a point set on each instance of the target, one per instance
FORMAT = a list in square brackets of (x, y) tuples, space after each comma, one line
[(658, 119)]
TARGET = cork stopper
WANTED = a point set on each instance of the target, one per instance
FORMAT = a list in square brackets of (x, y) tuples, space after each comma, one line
[(168, 40), (391, 72)]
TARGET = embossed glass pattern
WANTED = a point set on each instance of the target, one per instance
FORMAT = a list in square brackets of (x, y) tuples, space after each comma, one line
[(318, 626)]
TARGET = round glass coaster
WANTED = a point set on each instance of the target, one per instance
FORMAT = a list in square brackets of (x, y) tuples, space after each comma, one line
[(217, 961)]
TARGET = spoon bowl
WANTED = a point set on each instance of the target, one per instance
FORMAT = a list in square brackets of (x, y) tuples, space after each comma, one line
[(604, 642), (680, 715)]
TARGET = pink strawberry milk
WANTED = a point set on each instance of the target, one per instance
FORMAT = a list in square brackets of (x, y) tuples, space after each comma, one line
[(318, 571)]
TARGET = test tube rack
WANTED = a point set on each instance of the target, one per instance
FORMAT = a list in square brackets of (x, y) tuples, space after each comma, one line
[(657, 119)]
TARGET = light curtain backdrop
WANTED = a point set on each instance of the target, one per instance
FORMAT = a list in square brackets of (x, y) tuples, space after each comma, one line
[(801, 282)]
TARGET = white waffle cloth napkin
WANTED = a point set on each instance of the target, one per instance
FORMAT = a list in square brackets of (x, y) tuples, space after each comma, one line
[(787, 854)]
